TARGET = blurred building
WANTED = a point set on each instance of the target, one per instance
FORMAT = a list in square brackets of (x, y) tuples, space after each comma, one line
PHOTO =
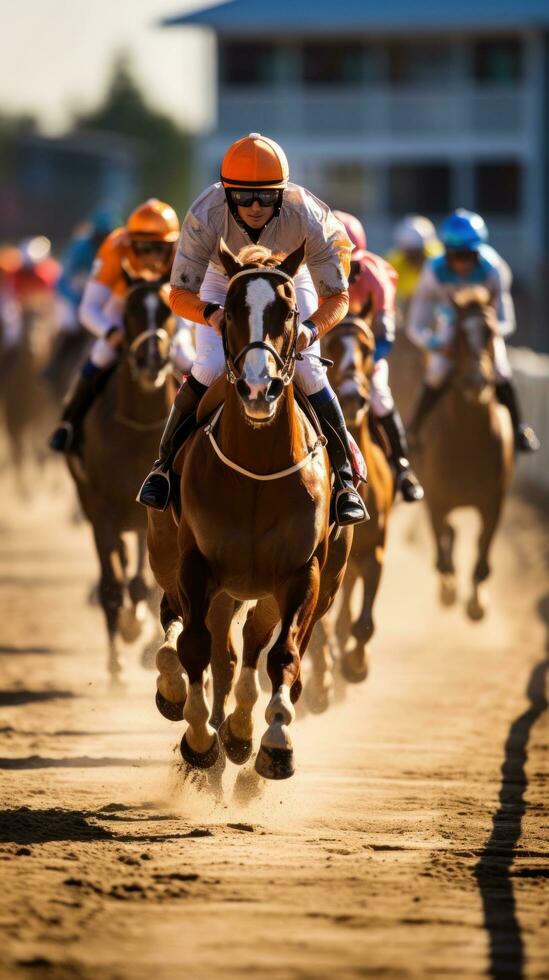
[(48, 185), (389, 108)]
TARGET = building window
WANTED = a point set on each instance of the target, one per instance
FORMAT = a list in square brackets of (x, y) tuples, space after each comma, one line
[(332, 64), (498, 61), (418, 63), (423, 188), (348, 185), (248, 64), (497, 187)]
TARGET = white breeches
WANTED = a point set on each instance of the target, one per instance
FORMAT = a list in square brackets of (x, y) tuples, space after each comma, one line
[(439, 365), (382, 397), (210, 360)]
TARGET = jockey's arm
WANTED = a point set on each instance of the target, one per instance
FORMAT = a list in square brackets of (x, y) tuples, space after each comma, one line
[(503, 301), (95, 298), (327, 255), (195, 247), (422, 309)]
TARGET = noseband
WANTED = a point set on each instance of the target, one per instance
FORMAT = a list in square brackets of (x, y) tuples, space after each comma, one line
[(285, 364), (163, 338)]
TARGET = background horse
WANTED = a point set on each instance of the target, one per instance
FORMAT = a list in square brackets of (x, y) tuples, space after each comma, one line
[(246, 534), (351, 347), (121, 435), (467, 454)]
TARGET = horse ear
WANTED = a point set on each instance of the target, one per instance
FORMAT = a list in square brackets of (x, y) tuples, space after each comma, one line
[(291, 263), (228, 260)]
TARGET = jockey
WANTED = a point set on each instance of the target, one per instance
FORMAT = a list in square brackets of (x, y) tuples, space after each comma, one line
[(140, 251), (372, 296), (77, 262), (415, 241), (255, 203), (468, 259)]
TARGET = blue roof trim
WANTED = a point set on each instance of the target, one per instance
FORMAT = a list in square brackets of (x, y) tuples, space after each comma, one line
[(302, 16)]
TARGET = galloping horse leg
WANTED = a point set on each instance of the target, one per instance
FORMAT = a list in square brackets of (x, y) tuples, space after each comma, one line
[(200, 744), (111, 588), (237, 730), (296, 602), (320, 685), (476, 607), (444, 539), (223, 662), (355, 663), (132, 616), (171, 685)]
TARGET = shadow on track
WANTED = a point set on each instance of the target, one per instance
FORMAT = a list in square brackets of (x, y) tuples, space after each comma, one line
[(26, 826), (76, 762), (9, 699), (493, 871)]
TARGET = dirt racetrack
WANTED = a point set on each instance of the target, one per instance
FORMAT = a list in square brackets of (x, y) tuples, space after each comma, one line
[(410, 842)]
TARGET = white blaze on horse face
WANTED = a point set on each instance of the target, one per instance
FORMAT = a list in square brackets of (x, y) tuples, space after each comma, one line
[(255, 370), (151, 305)]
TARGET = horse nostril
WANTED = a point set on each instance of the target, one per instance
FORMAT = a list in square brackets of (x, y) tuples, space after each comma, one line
[(274, 390), (243, 388)]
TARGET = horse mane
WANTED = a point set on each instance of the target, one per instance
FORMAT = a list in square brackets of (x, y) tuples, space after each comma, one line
[(252, 256)]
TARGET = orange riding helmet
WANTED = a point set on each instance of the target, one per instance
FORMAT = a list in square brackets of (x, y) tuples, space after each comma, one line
[(152, 229), (255, 161)]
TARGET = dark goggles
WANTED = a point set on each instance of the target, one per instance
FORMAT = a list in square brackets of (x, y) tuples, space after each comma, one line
[(152, 248), (245, 197), (354, 271), (462, 254)]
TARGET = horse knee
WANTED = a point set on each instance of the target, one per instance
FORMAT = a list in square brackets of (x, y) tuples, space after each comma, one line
[(482, 570), (138, 590)]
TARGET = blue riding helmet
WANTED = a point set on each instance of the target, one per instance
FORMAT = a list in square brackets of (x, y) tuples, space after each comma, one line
[(464, 230), (103, 221)]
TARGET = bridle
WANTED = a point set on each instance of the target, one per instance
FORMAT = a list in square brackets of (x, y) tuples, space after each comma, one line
[(286, 361)]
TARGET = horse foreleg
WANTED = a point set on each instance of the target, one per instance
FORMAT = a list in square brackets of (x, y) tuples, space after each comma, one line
[(297, 603), (476, 605), (355, 663), (132, 616), (444, 541), (200, 744), (237, 730), (111, 590), (320, 685), (223, 660), (171, 684)]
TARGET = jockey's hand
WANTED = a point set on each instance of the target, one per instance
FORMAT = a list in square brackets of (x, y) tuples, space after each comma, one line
[(435, 344), (216, 320), (305, 337), (114, 337)]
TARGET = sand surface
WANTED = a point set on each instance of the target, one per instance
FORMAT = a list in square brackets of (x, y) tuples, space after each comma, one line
[(410, 842)]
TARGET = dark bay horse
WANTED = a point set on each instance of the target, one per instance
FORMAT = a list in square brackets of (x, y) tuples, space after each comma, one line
[(351, 347), (467, 454), (121, 433), (255, 501)]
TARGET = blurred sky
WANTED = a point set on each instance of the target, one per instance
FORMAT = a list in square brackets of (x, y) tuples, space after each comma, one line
[(56, 54)]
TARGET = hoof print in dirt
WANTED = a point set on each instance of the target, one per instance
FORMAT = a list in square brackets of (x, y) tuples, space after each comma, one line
[(171, 710), (238, 750), (275, 763), (200, 760)]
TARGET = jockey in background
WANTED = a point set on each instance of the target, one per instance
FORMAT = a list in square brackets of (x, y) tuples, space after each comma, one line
[(467, 260), (141, 251), (415, 241), (372, 296), (28, 275), (254, 203), (76, 262)]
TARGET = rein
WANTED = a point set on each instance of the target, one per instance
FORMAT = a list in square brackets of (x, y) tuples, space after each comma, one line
[(285, 365), (319, 444)]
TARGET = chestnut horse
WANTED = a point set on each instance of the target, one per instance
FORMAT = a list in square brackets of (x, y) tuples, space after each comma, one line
[(255, 502), (351, 347), (121, 434), (467, 454)]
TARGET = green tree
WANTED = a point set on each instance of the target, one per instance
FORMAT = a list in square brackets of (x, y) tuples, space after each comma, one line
[(162, 147)]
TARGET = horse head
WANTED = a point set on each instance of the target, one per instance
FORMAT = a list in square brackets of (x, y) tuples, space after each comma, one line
[(476, 328), (260, 328), (149, 327), (351, 347)]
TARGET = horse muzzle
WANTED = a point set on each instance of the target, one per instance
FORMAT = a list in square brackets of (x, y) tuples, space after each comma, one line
[(259, 398)]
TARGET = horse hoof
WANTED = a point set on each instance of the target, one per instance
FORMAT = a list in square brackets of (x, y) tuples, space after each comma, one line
[(475, 610), (171, 710), (448, 592), (200, 760), (274, 763), (129, 626), (238, 750), (352, 673), (318, 700)]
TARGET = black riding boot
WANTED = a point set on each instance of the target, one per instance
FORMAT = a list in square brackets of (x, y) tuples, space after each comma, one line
[(406, 480), (526, 440), (427, 401), (156, 490), (348, 505), (91, 382)]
